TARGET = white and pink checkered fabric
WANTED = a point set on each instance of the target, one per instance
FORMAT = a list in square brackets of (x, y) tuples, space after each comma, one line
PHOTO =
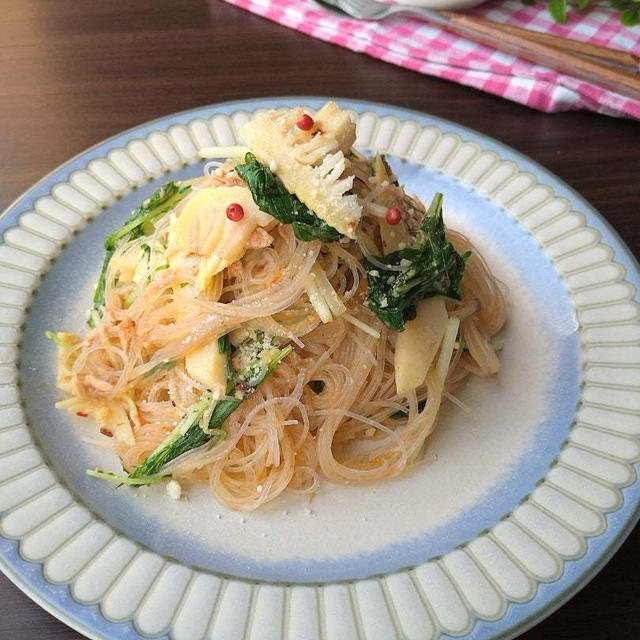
[(418, 46)]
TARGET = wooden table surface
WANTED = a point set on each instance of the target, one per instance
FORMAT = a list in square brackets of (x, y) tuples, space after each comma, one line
[(73, 73)]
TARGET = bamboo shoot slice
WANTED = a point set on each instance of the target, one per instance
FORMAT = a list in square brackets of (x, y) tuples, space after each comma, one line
[(417, 345)]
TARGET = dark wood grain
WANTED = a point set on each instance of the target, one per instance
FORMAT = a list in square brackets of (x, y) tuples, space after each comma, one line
[(73, 73)]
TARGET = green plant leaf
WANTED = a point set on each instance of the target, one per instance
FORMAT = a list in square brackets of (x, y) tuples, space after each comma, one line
[(271, 196), (120, 478), (188, 433), (141, 222), (558, 10), (630, 17), (431, 267)]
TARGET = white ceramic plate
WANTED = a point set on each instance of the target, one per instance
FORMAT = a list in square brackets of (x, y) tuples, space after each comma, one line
[(516, 505)]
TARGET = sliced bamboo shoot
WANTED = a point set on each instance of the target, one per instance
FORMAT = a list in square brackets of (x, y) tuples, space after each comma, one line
[(323, 297), (448, 343), (204, 229), (312, 165), (209, 367), (417, 345)]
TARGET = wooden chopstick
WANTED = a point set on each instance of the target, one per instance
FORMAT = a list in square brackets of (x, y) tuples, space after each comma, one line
[(567, 60), (620, 58)]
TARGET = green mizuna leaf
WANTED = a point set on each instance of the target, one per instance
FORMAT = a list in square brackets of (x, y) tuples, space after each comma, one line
[(431, 267), (258, 357), (141, 222), (272, 197)]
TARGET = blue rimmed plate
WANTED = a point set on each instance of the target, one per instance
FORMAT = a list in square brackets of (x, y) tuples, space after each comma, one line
[(516, 505)]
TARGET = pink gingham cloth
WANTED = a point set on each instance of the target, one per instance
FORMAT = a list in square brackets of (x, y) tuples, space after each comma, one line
[(416, 45)]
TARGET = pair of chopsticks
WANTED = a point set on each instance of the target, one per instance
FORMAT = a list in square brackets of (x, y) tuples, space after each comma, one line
[(611, 69), (618, 71)]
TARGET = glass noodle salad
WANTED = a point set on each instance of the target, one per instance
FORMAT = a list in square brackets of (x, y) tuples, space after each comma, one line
[(292, 315)]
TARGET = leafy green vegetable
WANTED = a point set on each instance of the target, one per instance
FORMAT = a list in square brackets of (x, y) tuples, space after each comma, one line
[(98, 294), (259, 358), (186, 435), (138, 224), (223, 344), (123, 479), (629, 9), (630, 17), (431, 267), (272, 197), (558, 10), (54, 337), (145, 214)]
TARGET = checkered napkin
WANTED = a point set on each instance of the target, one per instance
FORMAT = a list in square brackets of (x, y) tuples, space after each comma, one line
[(417, 45)]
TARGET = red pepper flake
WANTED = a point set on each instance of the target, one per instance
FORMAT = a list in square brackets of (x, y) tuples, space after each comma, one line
[(393, 215), (106, 432), (305, 122), (235, 212), (82, 414)]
